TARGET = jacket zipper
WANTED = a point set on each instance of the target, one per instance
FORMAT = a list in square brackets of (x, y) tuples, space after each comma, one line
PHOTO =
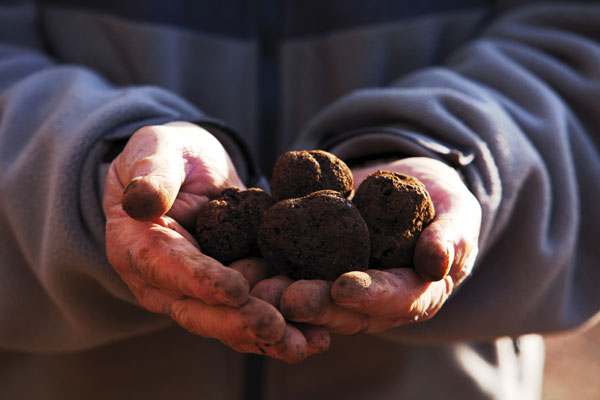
[(269, 33)]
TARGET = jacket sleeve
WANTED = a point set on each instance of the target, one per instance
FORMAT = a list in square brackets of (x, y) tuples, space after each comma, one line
[(57, 126), (517, 110)]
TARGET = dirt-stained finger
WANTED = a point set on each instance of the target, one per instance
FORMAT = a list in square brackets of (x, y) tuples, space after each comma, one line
[(255, 321), (306, 301), (146, 197), (309, 301), (317, 337), (164, 259), (254, 269), (434, 253), (376, 292), (292, 349), (151, 170), (271, 290)]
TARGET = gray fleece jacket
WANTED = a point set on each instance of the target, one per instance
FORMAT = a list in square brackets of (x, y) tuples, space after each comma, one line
[(507, 94)]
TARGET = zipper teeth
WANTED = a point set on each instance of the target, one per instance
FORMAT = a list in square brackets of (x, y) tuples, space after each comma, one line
[(269, 31)]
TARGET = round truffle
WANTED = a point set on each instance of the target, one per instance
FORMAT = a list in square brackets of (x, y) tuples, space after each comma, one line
[(300, 173), (319, 236), (396, 208), (226, 227)]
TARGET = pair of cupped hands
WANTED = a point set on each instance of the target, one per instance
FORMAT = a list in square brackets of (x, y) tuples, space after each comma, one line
[(167, 172)]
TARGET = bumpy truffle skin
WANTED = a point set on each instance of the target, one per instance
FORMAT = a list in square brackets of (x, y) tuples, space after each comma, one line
[(319, 236), (397, 208), (300, 173), (226, 227)]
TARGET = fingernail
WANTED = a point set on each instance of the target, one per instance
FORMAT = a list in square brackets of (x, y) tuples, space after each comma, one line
[(349, 288), (319, 345), (141, 201), (435, 262)]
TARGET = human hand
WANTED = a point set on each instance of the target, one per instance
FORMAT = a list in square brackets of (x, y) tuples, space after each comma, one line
[(374, 300), (153, 190)]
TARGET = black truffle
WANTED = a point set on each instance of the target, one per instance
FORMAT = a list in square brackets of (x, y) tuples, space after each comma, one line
[(226, 227), (319, 236), (396, 208), (300, 173)]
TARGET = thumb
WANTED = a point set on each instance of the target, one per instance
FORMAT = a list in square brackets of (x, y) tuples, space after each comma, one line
[(151, 172), (448, 246), (434, 253)]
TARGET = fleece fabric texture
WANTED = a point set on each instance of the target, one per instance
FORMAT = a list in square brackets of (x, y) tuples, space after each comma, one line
[(508, 94)]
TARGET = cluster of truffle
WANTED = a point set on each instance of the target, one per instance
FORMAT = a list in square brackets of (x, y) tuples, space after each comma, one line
[(313, 226)]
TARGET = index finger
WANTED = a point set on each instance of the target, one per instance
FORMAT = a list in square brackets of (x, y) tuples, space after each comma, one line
[(310, 302)]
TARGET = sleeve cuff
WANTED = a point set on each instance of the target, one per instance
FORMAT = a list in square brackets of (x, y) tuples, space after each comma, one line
[(365, 144)]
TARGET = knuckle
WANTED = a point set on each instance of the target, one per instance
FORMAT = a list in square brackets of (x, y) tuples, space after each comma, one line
[(465, 259), (425, 307), (147, 299), (179, 312), (306, 301), (418, 311), (145, 131), (130, 272), (362, 324), (268, 327), (139, 265)]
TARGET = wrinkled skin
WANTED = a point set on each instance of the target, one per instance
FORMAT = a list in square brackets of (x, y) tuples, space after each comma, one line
[(373, 300), (153, 191)]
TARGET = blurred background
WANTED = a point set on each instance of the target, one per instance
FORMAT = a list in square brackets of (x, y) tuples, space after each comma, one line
[(572, 369)]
